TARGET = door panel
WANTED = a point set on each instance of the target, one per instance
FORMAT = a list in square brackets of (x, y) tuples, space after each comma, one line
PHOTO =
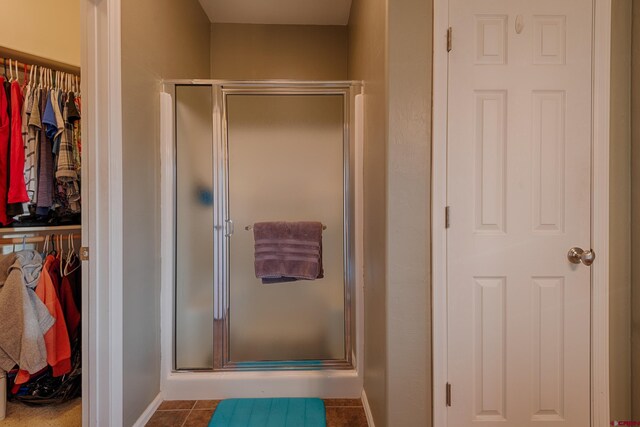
[(519, 173), (286, 163)]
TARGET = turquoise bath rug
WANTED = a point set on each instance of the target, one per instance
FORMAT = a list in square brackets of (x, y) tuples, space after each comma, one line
[(281, 412)]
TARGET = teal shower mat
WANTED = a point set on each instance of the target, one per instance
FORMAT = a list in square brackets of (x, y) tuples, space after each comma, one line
[(280, 412)]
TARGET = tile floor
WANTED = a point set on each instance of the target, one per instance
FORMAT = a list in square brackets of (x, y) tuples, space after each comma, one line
[(68, 414), (197, 413)]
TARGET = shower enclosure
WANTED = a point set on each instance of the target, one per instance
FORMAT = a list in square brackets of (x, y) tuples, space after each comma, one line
[(247, 152)]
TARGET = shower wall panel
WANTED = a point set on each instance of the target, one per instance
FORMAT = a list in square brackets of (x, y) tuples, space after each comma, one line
[(194, 228)]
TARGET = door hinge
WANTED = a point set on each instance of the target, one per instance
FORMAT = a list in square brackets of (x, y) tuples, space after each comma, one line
[(448, 394), (84, 253), (447, 217), (449, 39)]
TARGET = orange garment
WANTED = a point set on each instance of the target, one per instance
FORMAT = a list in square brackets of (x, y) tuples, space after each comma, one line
[(57, 338)]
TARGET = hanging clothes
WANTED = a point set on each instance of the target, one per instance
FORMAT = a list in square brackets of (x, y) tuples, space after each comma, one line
[(40, 297), (29, 166), (57, 338), (25, 317), (17, 193), (45, 175), (73, 117), (5, 132), (66, 169), (69, 307), (32, 148), (59, 358), (40, 149)]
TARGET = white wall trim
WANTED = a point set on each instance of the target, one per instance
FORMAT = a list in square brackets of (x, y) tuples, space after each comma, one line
[(439, 202), (167, 235), (600, 213), (148, 413), (600, 403), (367, 409), (102, 214), (358, 136), (88, 12)]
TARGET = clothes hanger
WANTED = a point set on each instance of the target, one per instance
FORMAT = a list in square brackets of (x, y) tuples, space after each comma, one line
[(11, 67), (45, 245), (71, 257), (31, 74), (10, 72), (61, 252), (53, 245)]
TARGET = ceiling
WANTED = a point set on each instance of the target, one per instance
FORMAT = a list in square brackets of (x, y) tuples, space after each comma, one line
[(303, 12)]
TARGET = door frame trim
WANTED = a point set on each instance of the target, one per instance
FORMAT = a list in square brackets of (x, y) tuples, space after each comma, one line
[(102, 306), (599, 210)]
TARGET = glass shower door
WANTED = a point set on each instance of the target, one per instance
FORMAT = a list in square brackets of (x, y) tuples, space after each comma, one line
[(285, 162)]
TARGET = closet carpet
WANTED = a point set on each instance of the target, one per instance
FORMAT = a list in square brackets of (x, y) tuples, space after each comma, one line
[(197, 413), (68, 414)]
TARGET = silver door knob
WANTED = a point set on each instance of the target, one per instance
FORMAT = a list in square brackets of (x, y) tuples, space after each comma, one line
[(576, 256)]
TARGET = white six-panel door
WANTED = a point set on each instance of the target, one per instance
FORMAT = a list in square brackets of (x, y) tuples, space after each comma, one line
[(519, 174)]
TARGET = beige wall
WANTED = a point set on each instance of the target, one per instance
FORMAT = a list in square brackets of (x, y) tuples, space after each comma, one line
[(635, 213), (620, 226), (368, 62), (408, 214), (160, 39), (50, 29), (305, 52)]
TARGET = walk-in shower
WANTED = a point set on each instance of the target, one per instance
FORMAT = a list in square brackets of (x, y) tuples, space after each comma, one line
[(238, 153)]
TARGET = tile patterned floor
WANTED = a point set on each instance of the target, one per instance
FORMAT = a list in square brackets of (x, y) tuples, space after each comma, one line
[(197, 413), (68, 414)]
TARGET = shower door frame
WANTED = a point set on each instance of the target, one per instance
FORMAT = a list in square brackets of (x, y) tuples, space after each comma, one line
[(224, 227)]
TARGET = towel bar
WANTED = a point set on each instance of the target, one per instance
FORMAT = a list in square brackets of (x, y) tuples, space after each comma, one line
[(250, 227)]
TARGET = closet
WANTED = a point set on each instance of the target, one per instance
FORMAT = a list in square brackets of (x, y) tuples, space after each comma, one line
[(40, 237)]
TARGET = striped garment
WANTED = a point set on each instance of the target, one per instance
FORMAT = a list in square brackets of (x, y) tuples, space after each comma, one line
[(32, 146), (66, 170), (26, 112)]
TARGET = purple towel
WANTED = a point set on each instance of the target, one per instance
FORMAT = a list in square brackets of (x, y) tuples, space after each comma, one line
[(288, 251)]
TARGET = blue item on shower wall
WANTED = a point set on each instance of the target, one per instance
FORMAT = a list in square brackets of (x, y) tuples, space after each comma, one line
[(279, 412), (205, 195)]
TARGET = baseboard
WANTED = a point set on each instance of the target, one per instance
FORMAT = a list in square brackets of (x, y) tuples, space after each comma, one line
[(367, 409), (148, 413)]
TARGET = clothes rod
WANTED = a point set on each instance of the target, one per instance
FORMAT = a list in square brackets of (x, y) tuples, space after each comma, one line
[(49, 229), (250, 227), (25, 239), (29, 59)]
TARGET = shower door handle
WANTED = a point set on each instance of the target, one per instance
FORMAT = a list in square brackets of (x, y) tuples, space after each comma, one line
[(229, 227)]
